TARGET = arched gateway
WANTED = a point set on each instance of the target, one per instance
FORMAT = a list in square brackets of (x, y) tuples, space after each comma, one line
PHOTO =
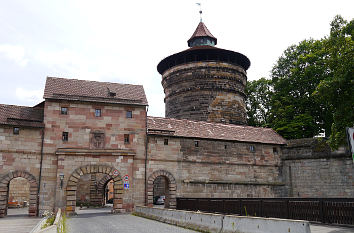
[(111, 172), (4, 191), (170, 201)]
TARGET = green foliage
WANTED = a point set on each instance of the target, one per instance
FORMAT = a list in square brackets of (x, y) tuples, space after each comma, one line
[(311, 90), (62, 228), (258, 94), (337, 88), (50, 220), (295, 112)]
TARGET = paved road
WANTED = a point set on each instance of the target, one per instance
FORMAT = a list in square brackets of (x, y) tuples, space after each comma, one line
[(17, 221), (101, 221)]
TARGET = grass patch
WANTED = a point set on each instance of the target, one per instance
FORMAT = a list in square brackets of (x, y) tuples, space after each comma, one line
[(62, 228), (50, 220)]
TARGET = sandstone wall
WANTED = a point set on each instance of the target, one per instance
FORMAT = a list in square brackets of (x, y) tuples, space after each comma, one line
[(19, 153), (217, 168), (311, 169), (83, 148), (206, 91), (19, 190)]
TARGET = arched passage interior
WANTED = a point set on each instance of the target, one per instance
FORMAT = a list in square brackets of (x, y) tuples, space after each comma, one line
[(4, 191), (169, 181), (112, 174)]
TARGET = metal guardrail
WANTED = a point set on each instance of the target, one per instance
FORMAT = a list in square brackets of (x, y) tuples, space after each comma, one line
[(324, 210)]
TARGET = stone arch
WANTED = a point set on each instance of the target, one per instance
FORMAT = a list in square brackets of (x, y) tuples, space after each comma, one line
[(172, 187), (101, 184), (4, 190), (111, 172)]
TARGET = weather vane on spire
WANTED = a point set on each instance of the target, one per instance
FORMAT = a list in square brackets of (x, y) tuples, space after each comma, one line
[(200, 10)]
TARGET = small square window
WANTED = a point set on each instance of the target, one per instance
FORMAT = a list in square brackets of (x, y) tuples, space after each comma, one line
[(126, 138), (129, 114), (65, 136), (165, 141), (252, 148), (275, 150), (16, 130), (97, 112), (196, 143), (64, 111)]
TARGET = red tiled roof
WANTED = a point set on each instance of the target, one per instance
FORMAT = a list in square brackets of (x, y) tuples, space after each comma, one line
[(82, 90), (201, 129), (201, 31), (21, 116)]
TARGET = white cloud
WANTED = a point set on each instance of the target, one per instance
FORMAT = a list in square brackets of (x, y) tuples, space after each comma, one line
[(15, 53), (29, 95)]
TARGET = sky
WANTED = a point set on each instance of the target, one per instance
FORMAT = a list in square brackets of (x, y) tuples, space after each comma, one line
[(123, 41)]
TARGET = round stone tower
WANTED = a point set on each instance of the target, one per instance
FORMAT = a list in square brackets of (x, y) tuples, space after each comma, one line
[(205, 83)]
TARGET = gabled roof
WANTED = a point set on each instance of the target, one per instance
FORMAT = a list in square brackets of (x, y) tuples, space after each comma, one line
[(202, 31), (92, 91), (207, 130), (21, 116)]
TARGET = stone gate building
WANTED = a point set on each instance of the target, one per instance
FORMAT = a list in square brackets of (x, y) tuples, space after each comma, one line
[(86, 134)]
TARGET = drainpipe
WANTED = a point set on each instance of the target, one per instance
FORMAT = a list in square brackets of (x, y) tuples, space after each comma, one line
[(146, 152), (40, 172)]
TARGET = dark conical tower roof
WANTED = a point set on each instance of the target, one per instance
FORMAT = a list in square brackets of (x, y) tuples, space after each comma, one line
[(202, 36)]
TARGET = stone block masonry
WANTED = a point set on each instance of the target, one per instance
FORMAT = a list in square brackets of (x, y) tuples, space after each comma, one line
[(206, 91), (310, 169)]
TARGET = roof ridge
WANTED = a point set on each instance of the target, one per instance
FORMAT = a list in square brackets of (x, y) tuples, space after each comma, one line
[(214, 123), (21, 106), (93, 81)]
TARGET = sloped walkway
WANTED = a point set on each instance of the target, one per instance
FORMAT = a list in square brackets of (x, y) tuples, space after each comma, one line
[(17, 221), (100, 220)]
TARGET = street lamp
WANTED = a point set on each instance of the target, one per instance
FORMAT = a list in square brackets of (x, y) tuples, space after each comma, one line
[(61, 177)]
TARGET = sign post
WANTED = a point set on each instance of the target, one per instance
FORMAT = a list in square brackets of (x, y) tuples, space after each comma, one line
[(350, 136)]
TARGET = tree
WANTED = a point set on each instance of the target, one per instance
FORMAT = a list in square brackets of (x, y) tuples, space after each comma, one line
[(311, 90), (337, 88), (295, 113), (258, 94)]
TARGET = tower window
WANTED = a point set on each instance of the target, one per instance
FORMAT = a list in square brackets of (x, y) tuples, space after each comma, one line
[(65, 136), (97, 112), (165, 141), (252, 148), (129, 114), (225, 146), (126, 138), (16, 130), (64, 111), (196, 143)]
